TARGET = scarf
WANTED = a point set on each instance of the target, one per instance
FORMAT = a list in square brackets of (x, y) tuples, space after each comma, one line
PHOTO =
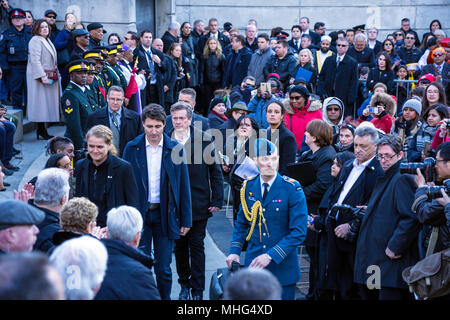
[(223, 116)]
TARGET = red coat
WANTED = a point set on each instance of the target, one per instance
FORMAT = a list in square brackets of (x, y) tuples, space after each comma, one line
[(384, 123), (298, 121)]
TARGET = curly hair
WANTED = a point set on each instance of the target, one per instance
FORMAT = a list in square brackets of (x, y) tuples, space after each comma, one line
[(77, 214)]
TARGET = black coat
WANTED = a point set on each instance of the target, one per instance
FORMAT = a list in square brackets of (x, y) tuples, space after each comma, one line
[(47, 229), (311, 85), (388, 223), (120, 188), (236, 73), (287, 147), (130, 124), (128, 274), (167, 40), (341, 82), (224, 41), (365, 58), (206, 180), (212, 70), (385, 76), (139, 53), (295, 49), (215, 121), (170, 79), (285, 67)]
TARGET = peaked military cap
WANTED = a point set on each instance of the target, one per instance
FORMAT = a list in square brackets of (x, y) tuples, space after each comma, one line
[(94, 54), (78, 65), (17, 13), (18, 213)]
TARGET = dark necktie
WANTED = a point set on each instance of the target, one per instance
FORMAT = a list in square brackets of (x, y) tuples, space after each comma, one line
[(266, 190), (338, 61)]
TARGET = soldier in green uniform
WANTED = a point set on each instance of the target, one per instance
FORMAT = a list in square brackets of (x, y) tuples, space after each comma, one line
[(75, 104), (111, 77), (90, 91), (116, 66), (99, 84)]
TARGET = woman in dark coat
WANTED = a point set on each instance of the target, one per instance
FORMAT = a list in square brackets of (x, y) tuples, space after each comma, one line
[(318, 137), (216, 114), (187, 47), (306, 61), (283, 139), (326, 281), (211, 71), (382, 73)]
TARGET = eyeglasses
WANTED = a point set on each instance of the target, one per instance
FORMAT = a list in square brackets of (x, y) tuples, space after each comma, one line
[(398, 34), (410, 38), (295, 97), (86, 37), (388, 44), (385, 158), (438, 54), (51, 17), (333, 109), (127, 38), (341, 45)]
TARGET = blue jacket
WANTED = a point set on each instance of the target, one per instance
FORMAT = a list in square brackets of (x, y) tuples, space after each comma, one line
[(286, 217), (176, 207), (259, 106)]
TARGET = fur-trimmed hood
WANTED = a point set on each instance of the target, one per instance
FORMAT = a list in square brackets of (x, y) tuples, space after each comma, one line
[(385, 99), (333, 101), (313, 105)]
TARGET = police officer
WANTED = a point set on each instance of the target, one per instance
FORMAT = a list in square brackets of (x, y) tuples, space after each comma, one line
[(272, 218), (14, 57), (99, 83), (75, 103), (18, 229)]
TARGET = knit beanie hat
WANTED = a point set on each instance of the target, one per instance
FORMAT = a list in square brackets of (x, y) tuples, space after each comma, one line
[(413, 104), (301, 90), (214, 102)]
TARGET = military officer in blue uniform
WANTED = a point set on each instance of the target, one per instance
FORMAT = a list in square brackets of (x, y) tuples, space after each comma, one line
[(75, 103), (14, 57), (273, 219)]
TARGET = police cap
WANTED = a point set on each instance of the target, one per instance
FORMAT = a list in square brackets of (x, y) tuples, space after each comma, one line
[(112, 50), (18, 213), (78, 65), (93, 54), (92, 67), (17, 13)]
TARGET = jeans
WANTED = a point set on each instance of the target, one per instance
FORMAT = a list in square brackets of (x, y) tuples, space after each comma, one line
[(7, 130), (163, 248)]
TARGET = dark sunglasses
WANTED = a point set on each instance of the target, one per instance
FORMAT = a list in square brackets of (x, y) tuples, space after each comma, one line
[(333, 109), (399, 34), (51, 17), (438, 54), (127, 38), (295, 98), (341, 45)]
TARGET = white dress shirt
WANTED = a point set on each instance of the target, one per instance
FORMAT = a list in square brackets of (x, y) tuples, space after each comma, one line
[(154, 158), (352, 177)]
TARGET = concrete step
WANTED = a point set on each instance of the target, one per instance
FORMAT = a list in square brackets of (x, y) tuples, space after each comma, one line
[(28, 126)]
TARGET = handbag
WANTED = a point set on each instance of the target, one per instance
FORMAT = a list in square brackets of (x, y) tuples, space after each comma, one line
[(52, 74), (430, 277), (219, 279)]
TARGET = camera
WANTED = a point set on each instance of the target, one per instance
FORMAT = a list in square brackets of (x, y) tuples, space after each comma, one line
[(358, 215), (434, 192), (373, 110), (427, 168)]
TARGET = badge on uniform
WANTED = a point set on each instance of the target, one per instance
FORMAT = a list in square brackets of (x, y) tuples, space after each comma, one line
[(12, 50), (277, 201), (68, 110), (68, 102), (252, 198)]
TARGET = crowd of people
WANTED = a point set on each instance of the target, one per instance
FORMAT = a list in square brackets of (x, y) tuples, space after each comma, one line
[(158, 130)]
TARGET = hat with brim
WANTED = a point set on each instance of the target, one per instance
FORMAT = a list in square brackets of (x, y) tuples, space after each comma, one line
[(79, 32), (93, 54), (238, 106), (92, 67), (17, 13), (78, 65), (50, 11), (95, 25), (17, 213)]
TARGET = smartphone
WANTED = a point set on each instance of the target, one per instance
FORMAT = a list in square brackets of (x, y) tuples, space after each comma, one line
[(373, 110), (265, 87)]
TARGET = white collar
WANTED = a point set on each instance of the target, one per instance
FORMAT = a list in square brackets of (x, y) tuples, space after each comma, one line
[(364, 164), (160, 144), (81, 87), (270, 182)]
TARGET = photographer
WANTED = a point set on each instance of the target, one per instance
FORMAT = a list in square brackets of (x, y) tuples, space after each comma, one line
[(354, 188), (388, 234), (258, 105), (431, 212)]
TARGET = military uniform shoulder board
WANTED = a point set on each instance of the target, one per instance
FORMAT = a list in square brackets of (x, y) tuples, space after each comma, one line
[(251, 178), (294, 182)]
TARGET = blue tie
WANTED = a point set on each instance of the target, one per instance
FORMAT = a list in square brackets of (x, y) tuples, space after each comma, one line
[(151, 64)]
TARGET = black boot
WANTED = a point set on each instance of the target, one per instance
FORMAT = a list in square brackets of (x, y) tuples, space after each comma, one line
[(41, 131)]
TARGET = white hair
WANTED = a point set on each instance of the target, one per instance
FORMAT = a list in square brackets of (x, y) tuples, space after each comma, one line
[(124, 223), (361, 36), (51, 185), (439, 32), (174, 26), (82, 265)]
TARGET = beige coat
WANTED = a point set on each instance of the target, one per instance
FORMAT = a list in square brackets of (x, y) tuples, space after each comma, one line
[(43, 99)]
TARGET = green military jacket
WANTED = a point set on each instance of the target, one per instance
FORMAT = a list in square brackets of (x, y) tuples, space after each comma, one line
[(123, 80), (76, 108), (111, 77)]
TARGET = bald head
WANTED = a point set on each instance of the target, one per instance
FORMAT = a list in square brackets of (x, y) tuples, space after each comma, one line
[(158, 44)]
